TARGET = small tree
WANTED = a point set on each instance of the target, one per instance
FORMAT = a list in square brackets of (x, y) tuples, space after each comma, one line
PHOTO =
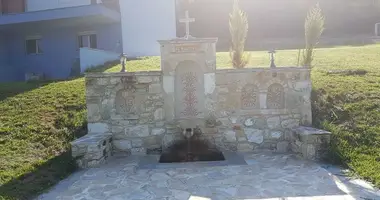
[(238, 31), (314, 27)]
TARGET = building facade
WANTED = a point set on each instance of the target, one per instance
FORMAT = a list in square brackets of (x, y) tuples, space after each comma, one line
[(46, 37)]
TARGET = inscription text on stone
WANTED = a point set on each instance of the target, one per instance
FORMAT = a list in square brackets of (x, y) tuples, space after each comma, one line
[(186, 48)]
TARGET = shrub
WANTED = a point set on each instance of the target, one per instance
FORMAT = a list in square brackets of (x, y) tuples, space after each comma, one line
[(314, 27), (238, 31)]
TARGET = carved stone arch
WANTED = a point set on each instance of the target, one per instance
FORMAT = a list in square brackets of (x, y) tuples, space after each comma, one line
[(276, 96), (274, 81), (190, 62), (250, 97)]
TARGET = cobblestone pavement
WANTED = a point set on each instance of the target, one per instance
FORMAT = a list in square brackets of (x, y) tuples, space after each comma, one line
[(266, 176)]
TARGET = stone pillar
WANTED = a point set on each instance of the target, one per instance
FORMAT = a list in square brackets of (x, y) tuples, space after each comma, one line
[(188, 67)]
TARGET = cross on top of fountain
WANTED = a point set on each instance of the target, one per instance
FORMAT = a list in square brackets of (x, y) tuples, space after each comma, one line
[(187, 20)]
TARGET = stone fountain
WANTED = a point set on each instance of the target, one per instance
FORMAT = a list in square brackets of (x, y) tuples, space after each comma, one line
[(189, 108), (188, 65)]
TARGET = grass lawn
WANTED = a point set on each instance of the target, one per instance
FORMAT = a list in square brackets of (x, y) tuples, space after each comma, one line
[(38, 120), (36, 123)]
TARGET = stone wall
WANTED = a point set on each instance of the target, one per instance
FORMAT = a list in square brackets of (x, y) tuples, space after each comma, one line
[(257, 108), (129, 106), (254, 108)]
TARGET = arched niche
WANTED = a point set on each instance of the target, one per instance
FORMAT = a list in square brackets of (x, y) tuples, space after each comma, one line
[(276, 96), (249, 97)]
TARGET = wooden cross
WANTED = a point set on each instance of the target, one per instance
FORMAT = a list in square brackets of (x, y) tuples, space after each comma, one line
[(187, 20)]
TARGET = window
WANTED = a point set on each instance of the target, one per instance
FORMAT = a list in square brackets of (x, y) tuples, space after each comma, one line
[(88, 40), (33, 45)]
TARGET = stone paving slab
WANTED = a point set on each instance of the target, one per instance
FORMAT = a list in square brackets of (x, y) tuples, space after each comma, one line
[(265, 176)]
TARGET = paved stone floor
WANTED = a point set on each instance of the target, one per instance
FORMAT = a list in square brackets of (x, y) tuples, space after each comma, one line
[(265, 176)]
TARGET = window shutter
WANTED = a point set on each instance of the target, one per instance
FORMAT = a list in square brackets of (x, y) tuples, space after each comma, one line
[(80, 41)]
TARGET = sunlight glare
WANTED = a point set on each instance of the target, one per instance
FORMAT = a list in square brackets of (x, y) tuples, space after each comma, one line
[(198, 198)]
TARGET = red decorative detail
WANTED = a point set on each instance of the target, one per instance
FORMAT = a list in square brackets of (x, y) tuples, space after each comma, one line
[(189, 81)]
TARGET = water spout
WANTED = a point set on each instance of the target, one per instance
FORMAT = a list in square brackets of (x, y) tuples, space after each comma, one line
[(188, 133)]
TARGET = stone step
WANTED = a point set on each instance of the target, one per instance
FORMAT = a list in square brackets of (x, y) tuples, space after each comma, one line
[(312, 143), (92, 150)]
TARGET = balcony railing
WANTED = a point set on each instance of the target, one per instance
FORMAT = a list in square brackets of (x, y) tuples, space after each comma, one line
[(100, 13), (37, 5), (21, 6)]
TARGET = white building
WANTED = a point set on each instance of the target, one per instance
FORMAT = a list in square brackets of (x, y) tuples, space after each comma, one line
[(144, 22)]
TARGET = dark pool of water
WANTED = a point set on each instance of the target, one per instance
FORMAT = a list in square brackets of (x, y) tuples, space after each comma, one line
[(191, 151)]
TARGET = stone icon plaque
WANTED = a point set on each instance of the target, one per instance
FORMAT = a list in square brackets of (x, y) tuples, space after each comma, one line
[(125, 102), (190, 100), (249, 98), (189, 91), (276, 97)]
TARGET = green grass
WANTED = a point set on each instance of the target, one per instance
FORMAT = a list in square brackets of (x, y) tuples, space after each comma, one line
[(36, 123), (38, 120), (346, 57), (349, 106)]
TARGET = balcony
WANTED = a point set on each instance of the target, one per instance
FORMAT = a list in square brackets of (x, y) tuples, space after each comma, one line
[(38, 5), (69, 15)]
